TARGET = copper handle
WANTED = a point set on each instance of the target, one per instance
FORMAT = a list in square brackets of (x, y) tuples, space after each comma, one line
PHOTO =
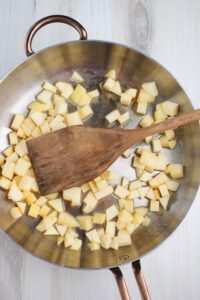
[(140, 280), (121, 283), (48, 20)]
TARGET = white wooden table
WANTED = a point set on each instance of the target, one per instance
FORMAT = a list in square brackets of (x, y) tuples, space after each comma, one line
[(168, 31)]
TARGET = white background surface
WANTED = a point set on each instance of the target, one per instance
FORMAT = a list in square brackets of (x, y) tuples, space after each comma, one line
[(168, 31)]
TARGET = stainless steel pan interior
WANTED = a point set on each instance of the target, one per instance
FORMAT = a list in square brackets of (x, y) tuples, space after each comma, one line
[(92, 59)]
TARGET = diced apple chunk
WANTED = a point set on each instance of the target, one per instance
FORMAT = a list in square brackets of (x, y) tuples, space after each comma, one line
[(108, 175), (61, 108), (38, 117), (77, 93), (29, 197), (93, 94), (111, 74), (103, 193), (51, 231), (56, 204), (76, 77), (146, 121), (13, 139), (4, 183), (99, 218), (77, 243), (16, 212), (106, 240), (17, 122), (90, 203), (49, 87), (141, 108), (34, 210), (102, 184), (68, 220), (154, 206), (125, 99), (110, 228), (113, 116), (126, 153), (26, 182), (124, 118), (85, 99), (93, 236), (8, 151), (164, 201), (163, 190), (156, 144), (121, 192), (94, 246), (132, 92), (145, 97), (150, 88), (22, 167), (135, 185), (85, 112), (176, 171), (111, 212), (73, 119), (170, 108), (21, 148), (62, 86), (124, 238), (8, 169), (124, 182), (172, 185), (86, 222), (44, 210), (22, 206)]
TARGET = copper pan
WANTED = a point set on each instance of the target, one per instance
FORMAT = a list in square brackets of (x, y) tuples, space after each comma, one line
[(92, 59)]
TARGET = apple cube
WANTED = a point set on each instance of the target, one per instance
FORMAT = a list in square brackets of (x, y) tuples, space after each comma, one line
[(68, 240), (90, 203), (154, 206), (172, 185), (60, 240), (13, 139), (38, 117), (137, 164), (22, 167), (85, 99), (170, 134), (56, 204), (51, 231), (108, 175), (76, 77), (16, 212), (141, 211), (45, 96), (170, 108), (8, 151), (93, 94), (176, 171), (109, 84), (146, 177), (26, 182), (111, 212), (126, 153), (161, 178), (8, 169), (129, 206), (124, 182), (111, 74), (77, 93), (159, 116), (110, 228), (44, 210), (156, 144), (125, 99), (22, 206), (85, 112), (103, 193), (4, 183), (148, 139), (124, 238), (150, 194), (17, 121), (61, 108), (106, 240), (49, 87), (34, 211), (132, 92), (77, 243), (85, 222), (116, 89), (135, 185), (62, 86), (134, 194), (143, 191), (93, 236), (29, 197), (150, 88), (113, 116), (161, 162), (99, 218), (73, 119), (146, 121), (163, 190), (121, 192), (124, 118), (85, 187), (164, 201), (102, 184), (144, 97), (141, 108), (94, 246), (21, 148)]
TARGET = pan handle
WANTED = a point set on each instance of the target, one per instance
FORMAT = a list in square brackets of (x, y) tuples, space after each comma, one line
[(139, 279), (48, 20)]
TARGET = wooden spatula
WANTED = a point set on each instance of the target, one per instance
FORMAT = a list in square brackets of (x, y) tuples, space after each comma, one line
[(71, 156)]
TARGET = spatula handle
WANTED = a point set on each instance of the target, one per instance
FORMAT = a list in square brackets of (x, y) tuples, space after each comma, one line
[(173, 123)]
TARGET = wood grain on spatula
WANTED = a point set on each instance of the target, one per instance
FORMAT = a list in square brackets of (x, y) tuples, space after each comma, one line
[(71, 156)]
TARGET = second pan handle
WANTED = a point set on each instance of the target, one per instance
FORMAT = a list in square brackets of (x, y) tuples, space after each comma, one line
[(48, 20), (139, 279)]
